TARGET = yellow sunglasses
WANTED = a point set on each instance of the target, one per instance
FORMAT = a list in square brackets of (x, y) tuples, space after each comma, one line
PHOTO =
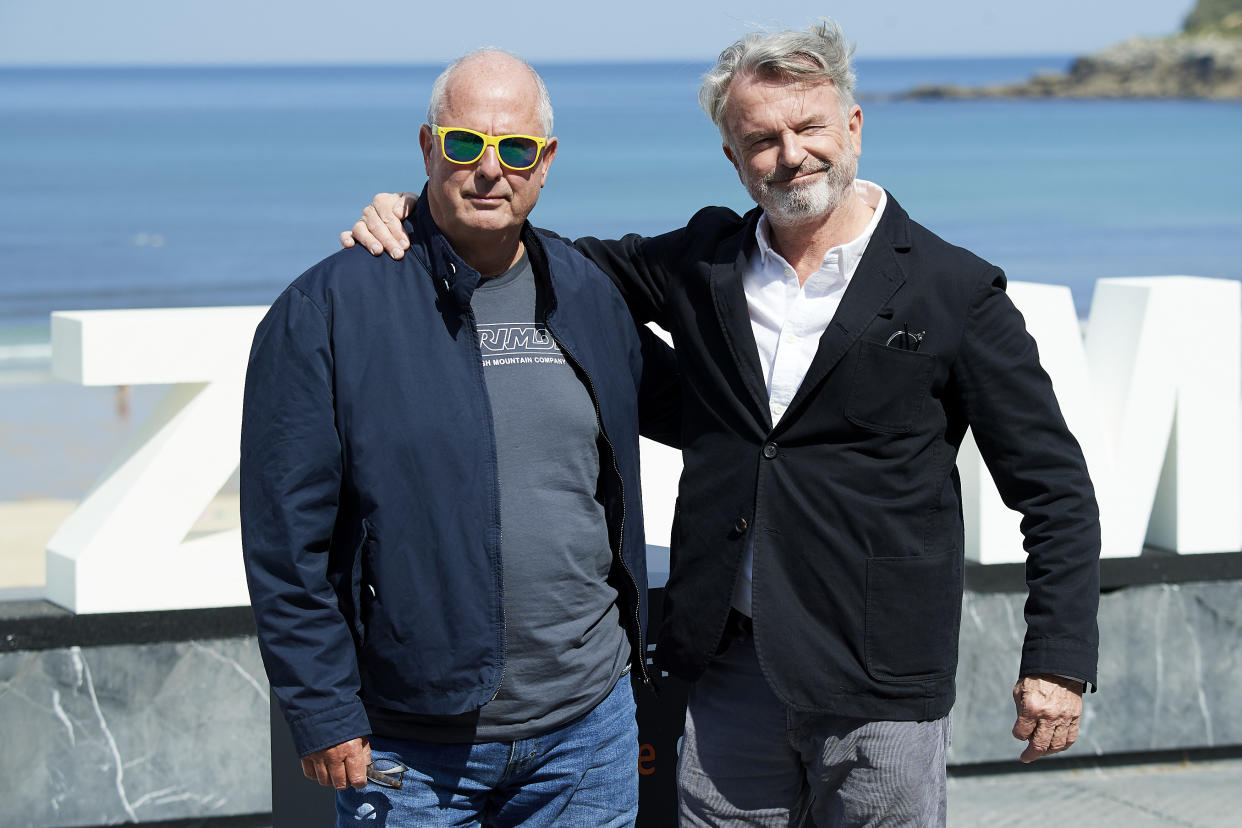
[(465, 146)]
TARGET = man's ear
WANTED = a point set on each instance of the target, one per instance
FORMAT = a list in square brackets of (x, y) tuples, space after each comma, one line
[(855, 125), (545, 161), (737, 165), (427, 143)]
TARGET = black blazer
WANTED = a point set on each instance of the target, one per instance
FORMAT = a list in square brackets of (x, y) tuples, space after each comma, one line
[(853, 499)]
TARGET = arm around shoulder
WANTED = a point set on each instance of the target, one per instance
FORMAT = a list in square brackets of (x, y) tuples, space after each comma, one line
[(659, 391), (637, 266)]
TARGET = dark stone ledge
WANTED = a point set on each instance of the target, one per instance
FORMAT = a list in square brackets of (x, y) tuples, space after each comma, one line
[(243, 821), (1154, 566), (41, 625)]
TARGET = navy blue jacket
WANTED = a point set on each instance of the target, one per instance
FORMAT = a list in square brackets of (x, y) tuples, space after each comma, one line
[(370, 502)]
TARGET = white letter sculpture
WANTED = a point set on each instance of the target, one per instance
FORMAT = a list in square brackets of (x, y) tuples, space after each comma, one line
[(1155, 398), (123, 548)]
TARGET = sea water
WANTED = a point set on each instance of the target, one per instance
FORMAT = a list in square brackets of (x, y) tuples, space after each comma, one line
[(217, 186), (159, 187)]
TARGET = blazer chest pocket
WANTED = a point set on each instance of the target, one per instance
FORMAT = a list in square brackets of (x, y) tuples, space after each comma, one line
[(888, 388)]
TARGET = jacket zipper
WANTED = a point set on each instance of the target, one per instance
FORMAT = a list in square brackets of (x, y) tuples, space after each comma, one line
[(640, 657), (504, 618)]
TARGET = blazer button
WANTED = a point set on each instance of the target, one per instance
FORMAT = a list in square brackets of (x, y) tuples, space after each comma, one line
[(769, 451), (739, 525)]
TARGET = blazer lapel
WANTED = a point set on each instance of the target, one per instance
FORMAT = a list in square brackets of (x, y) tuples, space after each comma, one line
[(734, 316), (875, 281)]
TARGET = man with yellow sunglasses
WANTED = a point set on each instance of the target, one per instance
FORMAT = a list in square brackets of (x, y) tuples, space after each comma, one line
[(441, 509)]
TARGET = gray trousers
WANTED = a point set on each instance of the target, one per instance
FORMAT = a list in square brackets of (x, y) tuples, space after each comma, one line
[(747, 759)]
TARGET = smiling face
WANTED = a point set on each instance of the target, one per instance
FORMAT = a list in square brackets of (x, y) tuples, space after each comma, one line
[(795, 151), (485, 203)]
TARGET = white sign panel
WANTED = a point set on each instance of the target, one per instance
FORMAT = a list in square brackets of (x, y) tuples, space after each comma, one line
[(1154, 395)]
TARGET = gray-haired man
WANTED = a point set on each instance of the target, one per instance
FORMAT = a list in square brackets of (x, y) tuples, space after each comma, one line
[(834, 353)]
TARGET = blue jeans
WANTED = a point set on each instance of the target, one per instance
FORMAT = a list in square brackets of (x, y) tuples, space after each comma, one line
[(583, 774)]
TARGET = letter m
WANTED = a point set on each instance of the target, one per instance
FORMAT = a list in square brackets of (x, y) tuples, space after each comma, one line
[(1154, 395)]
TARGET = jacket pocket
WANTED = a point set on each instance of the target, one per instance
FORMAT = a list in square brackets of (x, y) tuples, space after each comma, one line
[(913, 613), (366, 578), (888, 388)]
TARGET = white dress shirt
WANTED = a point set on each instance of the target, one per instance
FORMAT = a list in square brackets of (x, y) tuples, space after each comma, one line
[(788, 320)]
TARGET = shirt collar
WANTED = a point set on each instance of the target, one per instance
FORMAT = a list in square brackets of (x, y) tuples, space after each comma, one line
[(844, 257)]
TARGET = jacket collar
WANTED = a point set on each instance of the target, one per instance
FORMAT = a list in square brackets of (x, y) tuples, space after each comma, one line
[(878, 277), (449, 273), (733, 313)]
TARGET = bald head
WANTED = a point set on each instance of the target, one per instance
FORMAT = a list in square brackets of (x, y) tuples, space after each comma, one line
[(495, 72), (481, 205)]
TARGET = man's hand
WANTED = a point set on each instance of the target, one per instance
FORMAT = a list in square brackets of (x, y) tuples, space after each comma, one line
[(340, 765), (380, 228), (1048, 711)]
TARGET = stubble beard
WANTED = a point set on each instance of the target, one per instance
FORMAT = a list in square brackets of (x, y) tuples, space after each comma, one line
[(787, 201)]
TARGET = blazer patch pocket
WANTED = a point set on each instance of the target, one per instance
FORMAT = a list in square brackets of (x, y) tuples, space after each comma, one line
[(888, 388), (913, 613)]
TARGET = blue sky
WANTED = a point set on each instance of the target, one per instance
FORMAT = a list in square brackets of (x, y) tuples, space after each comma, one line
[(418, 31)]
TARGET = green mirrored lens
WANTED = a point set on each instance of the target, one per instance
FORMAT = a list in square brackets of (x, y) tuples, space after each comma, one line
[(462, 146), (519, 153)]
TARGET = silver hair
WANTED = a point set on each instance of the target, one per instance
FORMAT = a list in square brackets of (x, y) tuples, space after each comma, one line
[(438, 88), (819, 52)]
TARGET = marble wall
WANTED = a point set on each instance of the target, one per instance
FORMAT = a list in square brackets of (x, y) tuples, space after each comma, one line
[(165, 731), (1170, 672), (116, 734)]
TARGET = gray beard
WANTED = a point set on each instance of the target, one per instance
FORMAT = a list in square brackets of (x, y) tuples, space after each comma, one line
[(791, 203)]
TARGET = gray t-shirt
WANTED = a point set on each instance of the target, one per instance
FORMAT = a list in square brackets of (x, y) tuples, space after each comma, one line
[(564, 643)]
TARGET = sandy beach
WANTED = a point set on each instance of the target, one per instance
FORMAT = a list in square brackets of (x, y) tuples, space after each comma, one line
[(56, 439), (29, 524)]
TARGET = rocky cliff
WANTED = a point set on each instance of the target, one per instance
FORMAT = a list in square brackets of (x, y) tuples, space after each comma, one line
[(1204, 61), (1222, 17), (1179, 67)]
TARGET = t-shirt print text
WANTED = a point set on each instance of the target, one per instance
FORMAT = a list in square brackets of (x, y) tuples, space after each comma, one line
[(514, 343)]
